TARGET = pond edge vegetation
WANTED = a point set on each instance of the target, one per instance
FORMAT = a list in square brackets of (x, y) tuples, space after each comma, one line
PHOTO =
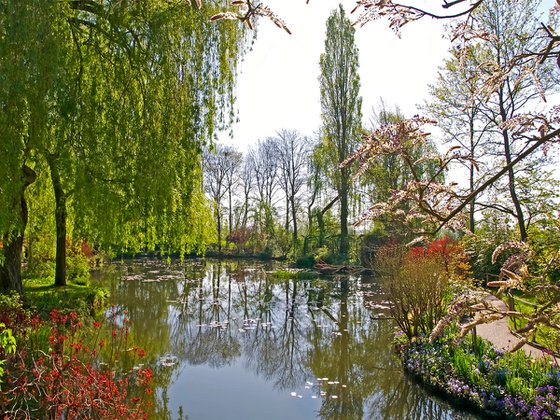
[(437, 308)]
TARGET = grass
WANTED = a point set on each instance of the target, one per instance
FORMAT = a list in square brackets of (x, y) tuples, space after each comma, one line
[(545, 336), (295, 275), (44, 296)]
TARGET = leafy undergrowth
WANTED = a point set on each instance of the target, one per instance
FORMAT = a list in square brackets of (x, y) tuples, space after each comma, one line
[(63, 368), (510, 385)]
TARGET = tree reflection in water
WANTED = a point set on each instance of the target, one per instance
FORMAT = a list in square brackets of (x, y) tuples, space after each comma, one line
[(303, 337)]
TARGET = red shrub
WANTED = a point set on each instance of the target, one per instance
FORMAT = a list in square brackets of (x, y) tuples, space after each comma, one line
[(446, 251), (67, 380)]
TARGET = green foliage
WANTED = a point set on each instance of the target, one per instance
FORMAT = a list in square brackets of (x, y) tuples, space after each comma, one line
[(79, 264), (464, 365), (282, 242), (491, 233), (98, 298), (305, 261), (325, 255), (113, 103), (7, 345), (40, 232), (544, 239)]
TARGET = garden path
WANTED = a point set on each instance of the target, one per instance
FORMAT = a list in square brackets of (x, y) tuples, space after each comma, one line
[(500, 335)]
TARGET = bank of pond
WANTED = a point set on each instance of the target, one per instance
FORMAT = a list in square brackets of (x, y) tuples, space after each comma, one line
[(210, 339)]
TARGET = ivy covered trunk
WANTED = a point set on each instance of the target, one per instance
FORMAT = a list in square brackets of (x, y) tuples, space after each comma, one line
[(10, 264), (10, 270)]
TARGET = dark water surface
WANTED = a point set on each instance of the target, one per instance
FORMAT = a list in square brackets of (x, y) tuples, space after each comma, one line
[(228, 341)]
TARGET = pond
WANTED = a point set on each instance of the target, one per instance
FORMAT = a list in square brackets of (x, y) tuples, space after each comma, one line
[(227, 340)]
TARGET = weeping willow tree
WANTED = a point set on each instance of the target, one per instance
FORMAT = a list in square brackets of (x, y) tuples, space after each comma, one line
[(115, 100)]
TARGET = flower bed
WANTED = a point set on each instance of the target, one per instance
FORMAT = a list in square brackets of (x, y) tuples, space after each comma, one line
[(510, 385)]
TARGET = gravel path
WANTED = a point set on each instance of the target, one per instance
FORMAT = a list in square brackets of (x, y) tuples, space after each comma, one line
[(500, 335)]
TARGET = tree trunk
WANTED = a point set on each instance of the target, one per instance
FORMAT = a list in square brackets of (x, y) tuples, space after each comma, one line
[(230, 221), (513, 193), (294, 219), (309, 221), (511, 175), (10, 270), (245, 211), (309, 227), (219, 227), (472, 202), (321, 221), (321, 226), (344, 240), (60, 219)]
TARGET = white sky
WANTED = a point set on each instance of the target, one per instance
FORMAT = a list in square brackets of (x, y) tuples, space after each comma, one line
[(278, 85)]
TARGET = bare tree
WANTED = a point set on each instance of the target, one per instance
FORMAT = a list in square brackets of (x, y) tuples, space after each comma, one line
[(219, 168), (264, 165), (247, 180), (233, 161), (459, 112), (292, 151)]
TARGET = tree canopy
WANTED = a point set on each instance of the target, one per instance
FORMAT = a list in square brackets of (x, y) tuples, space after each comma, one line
[(117, 100)]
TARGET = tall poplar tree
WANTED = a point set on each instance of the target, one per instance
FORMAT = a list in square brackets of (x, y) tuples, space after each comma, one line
[(341, 109)]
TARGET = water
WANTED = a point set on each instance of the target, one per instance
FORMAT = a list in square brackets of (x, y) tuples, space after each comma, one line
[(228, 341)]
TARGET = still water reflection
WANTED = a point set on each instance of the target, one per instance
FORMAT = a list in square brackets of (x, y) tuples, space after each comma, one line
[(228, 341)]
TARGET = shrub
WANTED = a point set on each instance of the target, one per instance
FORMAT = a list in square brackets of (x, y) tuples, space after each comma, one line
[(324, 255), (56, 372), (545, 246), (453, 256), (369, 243), (417, 285), (81, 258), (305, 261)]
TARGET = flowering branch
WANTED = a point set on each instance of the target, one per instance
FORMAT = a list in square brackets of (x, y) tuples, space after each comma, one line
[(399, 14), (249, 10)]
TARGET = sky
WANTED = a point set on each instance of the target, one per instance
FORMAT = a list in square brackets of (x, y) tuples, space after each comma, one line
[(278, 84)]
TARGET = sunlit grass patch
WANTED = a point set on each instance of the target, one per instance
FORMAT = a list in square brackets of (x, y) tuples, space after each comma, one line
[(295, 275), (42, 295)]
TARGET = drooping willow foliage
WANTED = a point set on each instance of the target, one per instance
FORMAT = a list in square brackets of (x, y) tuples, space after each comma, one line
[(115, 100)]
